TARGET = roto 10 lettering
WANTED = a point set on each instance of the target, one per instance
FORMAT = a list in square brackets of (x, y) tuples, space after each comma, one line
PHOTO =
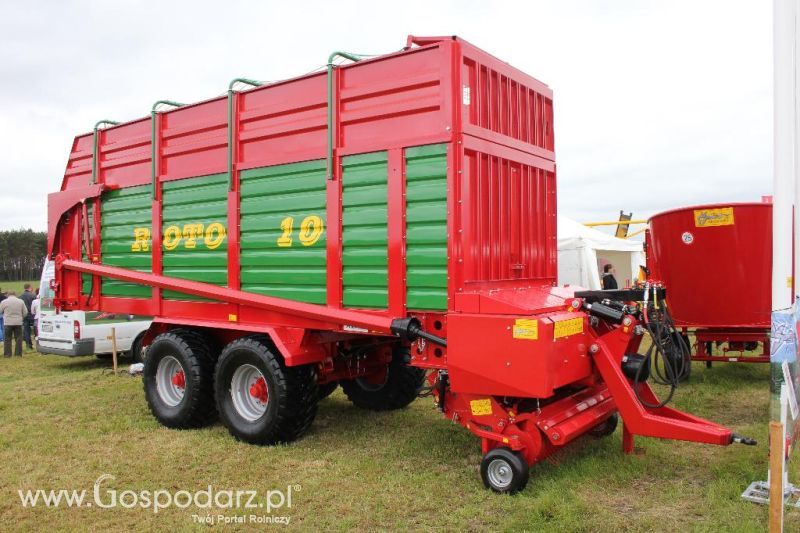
[(211, 236)]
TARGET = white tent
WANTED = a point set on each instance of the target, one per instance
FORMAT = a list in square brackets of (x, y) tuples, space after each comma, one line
[(582, 251)]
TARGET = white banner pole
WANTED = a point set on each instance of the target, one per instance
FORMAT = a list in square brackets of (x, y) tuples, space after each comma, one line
[(783, 137)]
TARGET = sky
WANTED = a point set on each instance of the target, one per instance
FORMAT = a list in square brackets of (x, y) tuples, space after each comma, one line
[(657, 104)]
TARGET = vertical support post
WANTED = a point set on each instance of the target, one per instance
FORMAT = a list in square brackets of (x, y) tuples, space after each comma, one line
[(95, 148), (114, 348), (783, 181), (796, 131), (776, 455), (233, 193), (334, 187), (333, 212), (155, 175), (155, 151), (335, 282), (332, 130), (87, 243), (333, 108), (785, 193), (231, 128), (627, 439), (396, 229), (231, 124), (97, 245), (155, 230), (232, 223)]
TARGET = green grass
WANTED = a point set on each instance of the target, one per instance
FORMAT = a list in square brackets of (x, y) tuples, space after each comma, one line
[(64, 422), (17, 286)]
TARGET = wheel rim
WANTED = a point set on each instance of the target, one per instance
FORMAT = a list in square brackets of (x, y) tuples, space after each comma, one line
[(170, 381), (249, 392), (499, 473)]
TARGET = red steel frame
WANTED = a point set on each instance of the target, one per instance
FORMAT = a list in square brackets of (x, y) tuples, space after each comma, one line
[(501, 238), (735, 338)]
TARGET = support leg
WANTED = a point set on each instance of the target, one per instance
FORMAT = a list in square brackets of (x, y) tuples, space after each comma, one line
[(627, 439)]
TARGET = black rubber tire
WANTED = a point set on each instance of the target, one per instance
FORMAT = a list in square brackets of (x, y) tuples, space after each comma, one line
[(605, 428), (401, 387), (519, 470), (292, 391), (137, 350), (323, 391), (191, 349)]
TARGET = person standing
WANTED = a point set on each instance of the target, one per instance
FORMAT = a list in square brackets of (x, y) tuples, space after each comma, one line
[(609, 281), (27, 324), (2, 297), (35, 311), (14, 312)]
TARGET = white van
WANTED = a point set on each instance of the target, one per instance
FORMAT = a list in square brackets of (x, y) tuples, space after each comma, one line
[(74, 333)]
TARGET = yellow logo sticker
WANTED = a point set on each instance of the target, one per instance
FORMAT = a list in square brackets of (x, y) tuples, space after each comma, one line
[(191, 235), (565, 328), (525, 328), (481, 407), (704, 218)]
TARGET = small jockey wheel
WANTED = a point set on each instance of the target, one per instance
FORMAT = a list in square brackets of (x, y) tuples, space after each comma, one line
[(504, 471)]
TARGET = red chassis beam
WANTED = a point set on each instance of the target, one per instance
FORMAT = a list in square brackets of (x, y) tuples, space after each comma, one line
[(332, 317), (735, 339)]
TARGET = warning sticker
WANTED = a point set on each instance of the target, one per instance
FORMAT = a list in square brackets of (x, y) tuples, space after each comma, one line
[(722, 216), (525, 328), (565, 328), (481, 407)]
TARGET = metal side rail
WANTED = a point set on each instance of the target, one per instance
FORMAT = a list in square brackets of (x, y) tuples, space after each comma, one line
[(408, 328)]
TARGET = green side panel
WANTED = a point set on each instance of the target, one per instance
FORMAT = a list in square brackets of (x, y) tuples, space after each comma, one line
[(202, 200), (426, 227), (122, 211), (364, 231), (279, 259)]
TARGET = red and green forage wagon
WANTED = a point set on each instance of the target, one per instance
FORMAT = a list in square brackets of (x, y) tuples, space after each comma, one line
[(390, 219)]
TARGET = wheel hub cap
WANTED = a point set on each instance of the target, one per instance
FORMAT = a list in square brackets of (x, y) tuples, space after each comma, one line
[(259, 390), (179, 379), (249, 392), (500, 473), (170, 381)]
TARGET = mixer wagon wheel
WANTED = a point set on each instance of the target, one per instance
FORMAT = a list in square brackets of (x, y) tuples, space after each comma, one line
[(178, 379), (396, 388), (504, 471), (261, 400), (606, 427)]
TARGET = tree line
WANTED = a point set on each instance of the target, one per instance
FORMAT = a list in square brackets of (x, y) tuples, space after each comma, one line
[(22, 254)]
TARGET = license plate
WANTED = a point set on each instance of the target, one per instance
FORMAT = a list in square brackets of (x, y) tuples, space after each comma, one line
[(47, 328)]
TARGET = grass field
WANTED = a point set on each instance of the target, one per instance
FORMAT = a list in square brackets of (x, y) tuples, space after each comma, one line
[(65, 422)]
